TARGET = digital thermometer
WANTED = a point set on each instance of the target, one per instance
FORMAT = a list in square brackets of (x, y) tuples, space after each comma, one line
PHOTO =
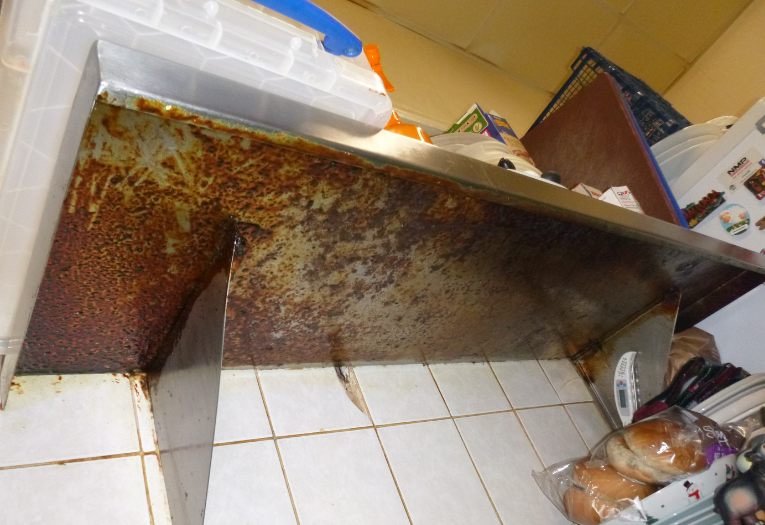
[(625, 387)]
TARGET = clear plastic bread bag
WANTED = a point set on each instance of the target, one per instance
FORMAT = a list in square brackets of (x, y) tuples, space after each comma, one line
[(591, 492), (666, 447), (634, 462)]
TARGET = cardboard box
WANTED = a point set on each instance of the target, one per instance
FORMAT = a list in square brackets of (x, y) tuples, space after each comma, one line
[(621, 196), (587, 190), (477, 120)]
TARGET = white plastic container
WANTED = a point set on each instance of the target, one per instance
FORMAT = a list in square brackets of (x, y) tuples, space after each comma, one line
[(44, 45)]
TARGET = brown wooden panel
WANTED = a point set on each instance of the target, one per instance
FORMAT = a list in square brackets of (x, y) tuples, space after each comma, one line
[(593, 140)]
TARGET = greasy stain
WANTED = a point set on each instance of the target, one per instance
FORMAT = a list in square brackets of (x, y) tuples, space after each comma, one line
[(339, 260)]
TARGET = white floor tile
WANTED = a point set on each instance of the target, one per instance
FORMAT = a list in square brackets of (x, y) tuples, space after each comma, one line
[(85, 493), (155, 482), (341, 478), (525, 384), (553, 434), (77, 416), (469, 388), (436, 476), (241, 414), (400, 393), (247, 486), (505, 458), (566, 380), (143, 412), (590, 423), (308, 400)]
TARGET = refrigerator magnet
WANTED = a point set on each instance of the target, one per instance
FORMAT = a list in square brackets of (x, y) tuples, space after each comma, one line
[(735, 219)]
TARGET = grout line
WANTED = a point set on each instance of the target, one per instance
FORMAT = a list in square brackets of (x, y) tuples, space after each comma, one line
[(484, 413), (440, 393), (76, 460), (555, 405), (290, 436), (475, 467), (395, 481), (276, 444), (382, 447), (485, 488), (499, 383), (555, 389), (577, 428), (531, 441), (146, 486), (133, 381), (242, 441)]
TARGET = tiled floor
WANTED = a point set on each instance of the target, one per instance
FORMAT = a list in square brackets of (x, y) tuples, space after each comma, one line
[(442, 444)]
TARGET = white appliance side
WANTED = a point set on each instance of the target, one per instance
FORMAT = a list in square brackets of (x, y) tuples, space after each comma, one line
[(743, 159), (739, 331)]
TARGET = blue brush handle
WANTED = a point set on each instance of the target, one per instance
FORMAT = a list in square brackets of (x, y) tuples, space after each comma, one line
[(338, 39)]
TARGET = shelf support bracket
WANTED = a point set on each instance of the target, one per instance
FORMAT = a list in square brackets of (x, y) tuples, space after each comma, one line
[(650, 335), (184, 390)]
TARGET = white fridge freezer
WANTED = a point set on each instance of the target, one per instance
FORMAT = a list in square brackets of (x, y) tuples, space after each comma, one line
[(723, 193)]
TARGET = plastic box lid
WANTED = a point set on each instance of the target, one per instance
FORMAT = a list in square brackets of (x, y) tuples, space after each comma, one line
[(44, 45)]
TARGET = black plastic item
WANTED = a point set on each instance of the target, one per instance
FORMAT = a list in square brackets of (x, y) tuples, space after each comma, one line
[(687, 376), (504, 163), (552, 176), (710, 373), (696, 381), (655, 116), (722, 381)]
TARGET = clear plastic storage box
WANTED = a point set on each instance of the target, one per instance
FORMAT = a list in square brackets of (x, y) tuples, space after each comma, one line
[(43, 48)]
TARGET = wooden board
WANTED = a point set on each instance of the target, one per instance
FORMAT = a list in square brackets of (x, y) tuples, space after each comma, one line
[(593, 140)]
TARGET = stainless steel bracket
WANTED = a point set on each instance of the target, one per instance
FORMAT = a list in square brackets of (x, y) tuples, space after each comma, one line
[(650, 335), (184, 390)]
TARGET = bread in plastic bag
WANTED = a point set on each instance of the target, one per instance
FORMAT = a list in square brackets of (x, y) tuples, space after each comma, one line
[(590, 492), (632, 463), (663, 448)]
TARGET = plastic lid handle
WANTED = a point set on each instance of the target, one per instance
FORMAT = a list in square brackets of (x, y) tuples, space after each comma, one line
[(338, 39)]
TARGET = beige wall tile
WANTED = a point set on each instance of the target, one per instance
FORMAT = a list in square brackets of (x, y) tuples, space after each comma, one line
[(539, 40), (687, 27), (729, 77), (455, 21), (637, 53), (435, 85)]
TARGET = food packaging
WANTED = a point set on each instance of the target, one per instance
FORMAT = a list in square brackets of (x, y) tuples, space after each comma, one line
[(632, 463), (686, 345), (587, 190), (476, 120), (621, 196), (590, 492)]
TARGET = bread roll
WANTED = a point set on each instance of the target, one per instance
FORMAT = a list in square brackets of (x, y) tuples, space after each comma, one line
[(600, 493), (666, 446), (630, 464)]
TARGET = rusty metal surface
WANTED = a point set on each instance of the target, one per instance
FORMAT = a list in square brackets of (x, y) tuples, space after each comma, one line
[(362, 245), (650, 335), (343, 264)]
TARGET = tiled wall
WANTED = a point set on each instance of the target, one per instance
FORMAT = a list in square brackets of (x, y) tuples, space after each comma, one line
[(411, 444)]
